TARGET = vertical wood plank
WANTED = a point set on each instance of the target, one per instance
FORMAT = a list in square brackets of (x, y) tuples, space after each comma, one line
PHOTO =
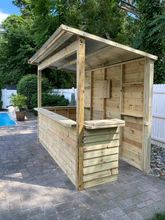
[(105, 99), (121, 88), (80, 106), (121, 106), (148, 92), (39, 85), (91, 98)]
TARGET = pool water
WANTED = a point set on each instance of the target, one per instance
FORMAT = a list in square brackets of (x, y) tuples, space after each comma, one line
[(5, 120)]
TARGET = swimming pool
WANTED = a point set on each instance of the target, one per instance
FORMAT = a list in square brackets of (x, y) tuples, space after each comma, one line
[(5, 120)]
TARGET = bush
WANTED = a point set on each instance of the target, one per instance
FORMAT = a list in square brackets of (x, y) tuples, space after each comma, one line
[(50, 100), (1, 103), (27, 86), (159, 216)]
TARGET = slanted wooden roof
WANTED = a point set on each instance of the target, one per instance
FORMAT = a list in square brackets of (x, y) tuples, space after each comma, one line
[(59, 51)]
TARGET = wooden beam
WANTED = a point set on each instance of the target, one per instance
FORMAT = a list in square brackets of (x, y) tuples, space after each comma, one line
[(108, 42), (62, 54), (39, 85), (70, 63), (57, 34), (56, 45), (80, 106), (148, 92)]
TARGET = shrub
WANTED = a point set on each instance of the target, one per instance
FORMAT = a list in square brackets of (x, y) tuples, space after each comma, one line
[(159, 216), (1, 96), (27, 86), (50, 100)]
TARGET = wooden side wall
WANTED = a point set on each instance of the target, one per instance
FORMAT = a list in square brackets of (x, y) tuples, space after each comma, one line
[(66, 111), (61, 143), (118, 92), (100, 156)]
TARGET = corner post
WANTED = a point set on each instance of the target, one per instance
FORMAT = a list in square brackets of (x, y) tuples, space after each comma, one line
[(80, 106), (148, 93), (39, 88)]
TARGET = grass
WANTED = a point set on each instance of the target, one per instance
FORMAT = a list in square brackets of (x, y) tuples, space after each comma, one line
[(159, 216)]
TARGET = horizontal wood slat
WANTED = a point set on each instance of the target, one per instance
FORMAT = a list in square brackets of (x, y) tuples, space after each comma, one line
[(100, 167), (100, 160)]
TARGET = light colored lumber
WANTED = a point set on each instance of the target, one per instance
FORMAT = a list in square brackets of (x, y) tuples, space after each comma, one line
[(108, 42), (100, 167), (100, 160), (107, 123), (100, 181), (58, 118), (39, 88), (100, 175), (100, 138), (99, 146), (148, 93), (80, 106), (91, 95), (61, 144), (62, 54), (102, 152), (96, 132)]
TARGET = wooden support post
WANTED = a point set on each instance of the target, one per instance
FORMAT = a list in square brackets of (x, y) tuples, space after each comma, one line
[(39, 83), (121, 107), (148, 91), (80, 106), (105, 99), (91, 96)]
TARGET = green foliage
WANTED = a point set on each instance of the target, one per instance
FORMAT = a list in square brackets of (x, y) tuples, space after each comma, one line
[(19, 101), (103, 18), (50, 100), (28, 86), (159, 216), (16, 47), (1, 103), (149, 35), (40, 18)]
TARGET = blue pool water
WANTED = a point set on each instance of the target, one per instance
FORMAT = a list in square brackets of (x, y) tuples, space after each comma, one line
[(5, 120)]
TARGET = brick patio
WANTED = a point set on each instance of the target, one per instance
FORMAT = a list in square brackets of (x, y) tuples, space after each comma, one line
[(32, 186)]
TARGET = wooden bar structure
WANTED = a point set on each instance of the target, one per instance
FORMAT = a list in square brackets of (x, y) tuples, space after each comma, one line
[(112, 118)]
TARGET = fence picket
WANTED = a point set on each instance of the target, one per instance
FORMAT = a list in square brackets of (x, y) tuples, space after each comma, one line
[(158, 115)]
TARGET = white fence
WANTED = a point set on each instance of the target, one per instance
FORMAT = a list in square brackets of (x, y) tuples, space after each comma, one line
[(158, 121), (6, 93), (158, 114), (67, 93)]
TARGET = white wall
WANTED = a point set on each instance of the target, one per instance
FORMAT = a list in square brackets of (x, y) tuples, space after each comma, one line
[(6, 97), (158, 114)]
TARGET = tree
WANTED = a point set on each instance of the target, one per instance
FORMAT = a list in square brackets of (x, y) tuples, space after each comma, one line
[(147, 38), (16, 46), (39, 19)]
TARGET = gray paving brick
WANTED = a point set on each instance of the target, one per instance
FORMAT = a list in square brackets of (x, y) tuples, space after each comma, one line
[(135, 216), (32, 186)]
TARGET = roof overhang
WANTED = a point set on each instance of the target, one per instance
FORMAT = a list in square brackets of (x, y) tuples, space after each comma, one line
[(99, 51)]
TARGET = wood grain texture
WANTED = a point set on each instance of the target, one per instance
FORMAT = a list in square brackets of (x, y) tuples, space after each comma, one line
[(39, 88), (80, 106), (61, 143), (148, 93)]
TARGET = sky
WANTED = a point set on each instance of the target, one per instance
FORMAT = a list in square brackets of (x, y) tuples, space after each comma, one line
[(7, 8)]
